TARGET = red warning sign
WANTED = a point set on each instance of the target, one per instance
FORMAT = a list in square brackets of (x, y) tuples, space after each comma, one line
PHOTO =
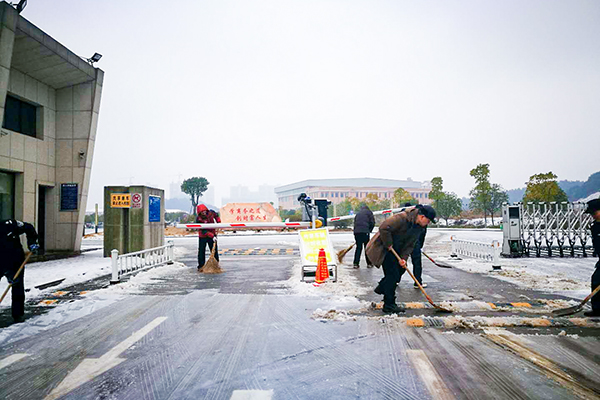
[(136, 200)]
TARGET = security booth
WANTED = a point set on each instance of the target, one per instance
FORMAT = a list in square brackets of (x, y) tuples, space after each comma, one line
[(133, 218), (512, 245)]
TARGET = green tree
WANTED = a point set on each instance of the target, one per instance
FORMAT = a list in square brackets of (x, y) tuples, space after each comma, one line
[(436, 192), (498, 197), (401, 196), (543, 188), (195, 187), (481, 196), (448, 205)]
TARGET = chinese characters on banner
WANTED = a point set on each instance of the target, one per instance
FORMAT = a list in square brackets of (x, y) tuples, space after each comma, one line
[(249, 212)]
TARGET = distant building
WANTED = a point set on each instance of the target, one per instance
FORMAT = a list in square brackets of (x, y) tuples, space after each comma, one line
[(338, 190), (242, 194), (49, 108), (175, 191)]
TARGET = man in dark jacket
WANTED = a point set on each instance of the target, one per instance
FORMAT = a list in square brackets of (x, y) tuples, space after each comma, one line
[(206, 236), (364, 222), (415, 256), (593, 207), (399, 232), (11, 258)]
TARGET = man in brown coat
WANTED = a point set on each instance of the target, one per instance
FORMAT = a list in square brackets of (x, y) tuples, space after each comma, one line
[(399, 232)]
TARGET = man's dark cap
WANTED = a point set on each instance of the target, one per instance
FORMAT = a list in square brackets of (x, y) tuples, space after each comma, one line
[(427, 211), (593, 206)]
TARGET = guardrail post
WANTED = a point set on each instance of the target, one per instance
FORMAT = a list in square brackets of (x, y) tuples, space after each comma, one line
[(453, 251), (496, 249), (170, 259), (115, 267)]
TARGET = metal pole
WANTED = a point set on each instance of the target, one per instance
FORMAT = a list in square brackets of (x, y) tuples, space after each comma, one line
[(96, 222)]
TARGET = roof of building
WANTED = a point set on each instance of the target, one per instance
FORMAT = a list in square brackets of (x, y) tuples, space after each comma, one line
[(352, 182)]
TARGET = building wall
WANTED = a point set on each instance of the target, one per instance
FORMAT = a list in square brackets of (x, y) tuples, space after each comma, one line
[(337, 194), (63, 149)]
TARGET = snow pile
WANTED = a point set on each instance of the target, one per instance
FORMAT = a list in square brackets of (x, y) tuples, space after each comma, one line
[(87, 266), (346, 286)]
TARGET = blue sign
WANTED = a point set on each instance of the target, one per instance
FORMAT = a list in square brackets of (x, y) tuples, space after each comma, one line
[(154, 208), (68, 196)]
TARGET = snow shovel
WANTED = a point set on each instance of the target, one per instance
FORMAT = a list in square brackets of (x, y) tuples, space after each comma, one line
[(342, 253), (577, 308), (440, 264), (420, 287), (16, 276)]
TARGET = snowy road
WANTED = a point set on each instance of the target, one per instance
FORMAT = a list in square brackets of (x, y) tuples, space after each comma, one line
[(256, 332)]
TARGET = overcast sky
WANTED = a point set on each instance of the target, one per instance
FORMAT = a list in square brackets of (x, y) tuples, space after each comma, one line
[(274, 92)]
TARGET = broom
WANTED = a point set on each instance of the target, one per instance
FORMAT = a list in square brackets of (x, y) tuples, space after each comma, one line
[(212, 265), (342, 253)]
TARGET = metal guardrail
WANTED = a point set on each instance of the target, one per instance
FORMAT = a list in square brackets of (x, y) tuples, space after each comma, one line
[(484, 251), (126, 264)]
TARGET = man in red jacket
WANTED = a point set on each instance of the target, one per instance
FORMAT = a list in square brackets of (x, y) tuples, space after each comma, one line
[(206, 236)]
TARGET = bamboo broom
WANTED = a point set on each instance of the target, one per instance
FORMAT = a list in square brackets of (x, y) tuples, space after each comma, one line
[(212, 265), (342, 253)]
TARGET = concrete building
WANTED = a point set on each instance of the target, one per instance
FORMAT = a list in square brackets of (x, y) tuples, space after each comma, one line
[(49, 105), (338, 190), (243, 194)]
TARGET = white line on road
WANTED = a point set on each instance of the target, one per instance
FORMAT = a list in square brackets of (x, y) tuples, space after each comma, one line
[(90, 368), (429, 375), (252, 395), (12, 359)]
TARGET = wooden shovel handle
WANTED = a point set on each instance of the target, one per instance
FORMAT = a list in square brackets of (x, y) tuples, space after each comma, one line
[(412, 276), (16, 276)]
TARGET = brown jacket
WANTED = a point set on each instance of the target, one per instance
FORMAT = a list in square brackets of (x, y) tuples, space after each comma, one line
[(401, 230)]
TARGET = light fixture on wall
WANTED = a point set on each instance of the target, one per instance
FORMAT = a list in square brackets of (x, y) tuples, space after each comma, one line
[(81, 154), (20, 6), (95, 58)]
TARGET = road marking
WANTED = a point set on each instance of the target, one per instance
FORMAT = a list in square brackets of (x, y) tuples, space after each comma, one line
[(90, 368), (12, 359), (429, 375), (252, 395)]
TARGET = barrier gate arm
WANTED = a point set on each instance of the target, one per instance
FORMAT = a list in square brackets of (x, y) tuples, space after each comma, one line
[(223, 225), (380, 212)]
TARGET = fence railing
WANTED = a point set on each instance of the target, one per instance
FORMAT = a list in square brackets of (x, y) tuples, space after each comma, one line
[(548, 228), (125, 264), (485, 251)]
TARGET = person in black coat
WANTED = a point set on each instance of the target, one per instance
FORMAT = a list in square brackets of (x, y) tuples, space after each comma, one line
[(593, 208), (364, 222), (11, 258)]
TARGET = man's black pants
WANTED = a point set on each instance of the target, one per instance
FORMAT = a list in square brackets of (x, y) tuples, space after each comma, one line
[(361, 241), (595, 284), (18, 287), (392, 272), (202, 242), (416, 262)]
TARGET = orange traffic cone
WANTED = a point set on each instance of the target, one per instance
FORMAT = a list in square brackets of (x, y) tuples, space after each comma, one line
[(322, 271)]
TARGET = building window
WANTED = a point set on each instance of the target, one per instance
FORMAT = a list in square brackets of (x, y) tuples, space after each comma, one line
[(7, 195), (20, 116)]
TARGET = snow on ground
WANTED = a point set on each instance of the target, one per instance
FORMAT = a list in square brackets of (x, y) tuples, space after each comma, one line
[(92, 301), (570, 276)]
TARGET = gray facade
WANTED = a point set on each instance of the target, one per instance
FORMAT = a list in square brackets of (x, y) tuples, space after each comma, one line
[(54, 147)]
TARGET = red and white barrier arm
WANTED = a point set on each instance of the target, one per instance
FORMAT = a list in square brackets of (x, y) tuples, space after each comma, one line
[(262, 225), (383, 212)]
